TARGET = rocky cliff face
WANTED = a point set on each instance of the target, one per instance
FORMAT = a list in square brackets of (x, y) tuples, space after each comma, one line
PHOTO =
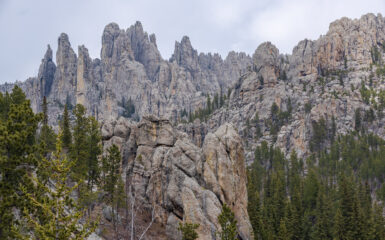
[(326, 76), (130, 67), (177, 179)]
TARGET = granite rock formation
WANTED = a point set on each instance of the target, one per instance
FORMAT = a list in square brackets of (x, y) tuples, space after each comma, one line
[(327, 75), (130, 67), (179, 180)]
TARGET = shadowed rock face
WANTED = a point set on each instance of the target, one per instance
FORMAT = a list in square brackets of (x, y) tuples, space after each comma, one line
[(46, 73), (180, 180)]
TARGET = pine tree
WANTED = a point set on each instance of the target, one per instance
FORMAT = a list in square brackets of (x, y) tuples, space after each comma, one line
[(66, 129), (333, 130), (215, 101), (129, 108), (311, 187), (351, 213), (59, 215), (377, 223), (19, 154), (228, 224), (283, 233), (339, 226), (79, 150), (4, 105), (94, 140), (323, 225), (120, 195), (295, 214), (253, 207), (357, 120), (209, 107), (188, 231), (111, 169), (258, 131), (47, 135)]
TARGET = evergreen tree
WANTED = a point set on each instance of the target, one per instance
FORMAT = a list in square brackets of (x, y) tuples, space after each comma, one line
[(339, 226), (333, 130), (283, 233), (66, 129), (60, 213), (93, 148), (5, 104), (228, 224), (357, 120), (129, 108), (258, 131), (111, 168), (323, 226), (120, 194), (209, 107), (215, 101), (94, 140), (377, 225), (188, 231), (351, 216), (319, 135), (47, 135), (253, 207), (79, 151), (19, 154)]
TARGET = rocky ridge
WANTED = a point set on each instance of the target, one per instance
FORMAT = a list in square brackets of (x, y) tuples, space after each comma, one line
[(130, 67), (326, 75), (177, 179)]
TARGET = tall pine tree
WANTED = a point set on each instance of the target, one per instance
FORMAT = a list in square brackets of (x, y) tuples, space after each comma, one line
[(47, 135), (79, 149), (19, 155), (94, 146), (66, 129), (59, 215)]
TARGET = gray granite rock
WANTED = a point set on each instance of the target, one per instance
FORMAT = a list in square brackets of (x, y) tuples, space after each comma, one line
[(182, 181)]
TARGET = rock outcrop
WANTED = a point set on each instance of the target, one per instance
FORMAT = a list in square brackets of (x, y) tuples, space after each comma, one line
[(131, 67), (325, 75), (65, 75), (179, 180)]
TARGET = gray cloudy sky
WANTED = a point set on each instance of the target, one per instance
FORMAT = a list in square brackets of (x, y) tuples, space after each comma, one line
[(27, 26)]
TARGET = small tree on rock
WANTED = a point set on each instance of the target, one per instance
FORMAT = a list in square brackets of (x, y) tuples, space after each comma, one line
[(228, 224), (188, 231)]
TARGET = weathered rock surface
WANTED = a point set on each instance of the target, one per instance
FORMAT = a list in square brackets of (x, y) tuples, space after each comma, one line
[(181, 181), (326, 74), (130, 67)]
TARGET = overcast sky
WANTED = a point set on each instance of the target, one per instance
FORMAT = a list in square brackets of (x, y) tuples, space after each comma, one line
[(27, 26)]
